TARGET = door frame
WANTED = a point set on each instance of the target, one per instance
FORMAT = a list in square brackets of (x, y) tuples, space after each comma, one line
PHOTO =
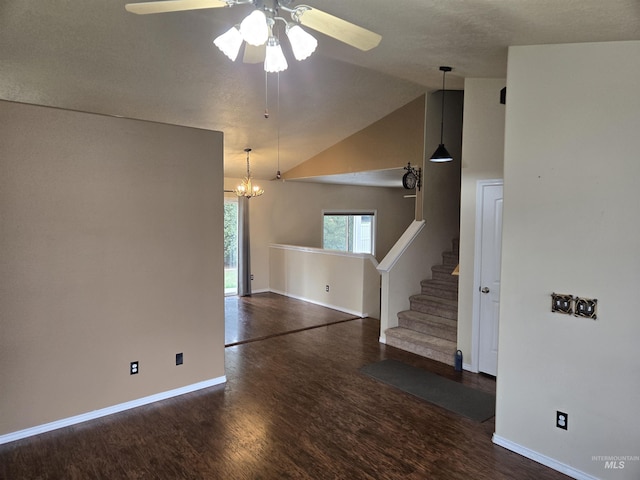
[(477, 257)]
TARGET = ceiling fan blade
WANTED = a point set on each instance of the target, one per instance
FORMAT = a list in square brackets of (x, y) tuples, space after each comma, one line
[(253, 54), (337, 28), (173, 6)]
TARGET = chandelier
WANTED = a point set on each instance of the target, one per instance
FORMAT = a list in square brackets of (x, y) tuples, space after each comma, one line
[(246, 188)]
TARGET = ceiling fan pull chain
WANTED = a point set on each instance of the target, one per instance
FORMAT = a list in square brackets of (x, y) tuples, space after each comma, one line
[(266, 95), (278, 174)]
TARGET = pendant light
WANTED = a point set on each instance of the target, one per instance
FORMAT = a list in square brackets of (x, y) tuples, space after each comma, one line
[(441, 154)]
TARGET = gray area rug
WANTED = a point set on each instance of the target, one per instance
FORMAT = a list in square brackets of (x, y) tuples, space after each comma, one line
[(453, 396)]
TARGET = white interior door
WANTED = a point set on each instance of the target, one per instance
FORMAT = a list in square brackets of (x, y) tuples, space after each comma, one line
[(489, 288)]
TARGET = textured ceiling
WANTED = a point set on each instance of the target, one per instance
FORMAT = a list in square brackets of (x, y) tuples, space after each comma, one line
[(94, 56)]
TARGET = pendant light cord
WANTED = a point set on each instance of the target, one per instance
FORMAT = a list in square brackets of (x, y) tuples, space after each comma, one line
[(266, 95), (278, 125), (442, 114)]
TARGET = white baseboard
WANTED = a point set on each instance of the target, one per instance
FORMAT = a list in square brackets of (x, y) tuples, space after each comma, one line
[(543, 459), (383, 339), (103, 412), (315, 302)]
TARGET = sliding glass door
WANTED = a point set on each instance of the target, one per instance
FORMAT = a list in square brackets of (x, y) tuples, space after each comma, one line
[(231, 245)]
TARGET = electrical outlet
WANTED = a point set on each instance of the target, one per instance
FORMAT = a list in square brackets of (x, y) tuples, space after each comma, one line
[(179, 358), (326, 288), (562, 420), (133, 368), (252, 276), (562, 303), (586, 307)]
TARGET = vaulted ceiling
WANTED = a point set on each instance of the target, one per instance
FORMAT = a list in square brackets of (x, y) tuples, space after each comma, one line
[(93, 56)]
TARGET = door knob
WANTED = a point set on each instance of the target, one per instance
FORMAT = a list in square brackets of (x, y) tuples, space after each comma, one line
[(485, 290)]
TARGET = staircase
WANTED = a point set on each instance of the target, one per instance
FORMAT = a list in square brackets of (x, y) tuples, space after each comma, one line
[(430, 327)]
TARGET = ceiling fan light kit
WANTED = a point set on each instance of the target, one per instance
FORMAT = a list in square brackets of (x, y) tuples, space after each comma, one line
[(256, 28), (274, 60), (441, 154), (303, 43), (230, 42)]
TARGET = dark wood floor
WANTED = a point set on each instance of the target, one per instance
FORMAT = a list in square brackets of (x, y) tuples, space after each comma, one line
[(294, 406), (277, 314)]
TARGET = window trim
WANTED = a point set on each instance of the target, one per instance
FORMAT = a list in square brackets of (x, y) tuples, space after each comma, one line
[(353, 212)]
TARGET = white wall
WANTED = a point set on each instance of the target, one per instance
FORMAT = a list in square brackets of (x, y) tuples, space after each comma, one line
[(482, 159), (571, 226)]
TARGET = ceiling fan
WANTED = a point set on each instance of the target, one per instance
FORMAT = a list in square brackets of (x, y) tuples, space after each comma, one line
[(257, 28)]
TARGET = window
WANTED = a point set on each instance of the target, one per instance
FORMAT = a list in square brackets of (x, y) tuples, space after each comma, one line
[(349, 231)]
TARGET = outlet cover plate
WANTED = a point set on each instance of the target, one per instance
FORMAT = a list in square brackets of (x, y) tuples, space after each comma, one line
[(586, 307), (562, 420), (562, 303)]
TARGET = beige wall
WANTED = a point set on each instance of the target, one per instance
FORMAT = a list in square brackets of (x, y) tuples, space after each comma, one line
[(290, 213), (482, 159), (344, 281), (111, 252), (571, 226), (388, 143)]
